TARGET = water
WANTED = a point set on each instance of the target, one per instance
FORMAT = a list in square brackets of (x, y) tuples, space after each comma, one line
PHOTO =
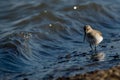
[(42, 39)]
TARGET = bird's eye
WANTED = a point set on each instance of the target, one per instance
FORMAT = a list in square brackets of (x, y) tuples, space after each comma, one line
[(87, 29)]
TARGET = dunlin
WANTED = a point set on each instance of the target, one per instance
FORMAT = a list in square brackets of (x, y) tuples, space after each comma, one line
[(93, 37)]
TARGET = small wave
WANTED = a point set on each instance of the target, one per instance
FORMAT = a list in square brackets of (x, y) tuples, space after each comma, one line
[(13, 53)]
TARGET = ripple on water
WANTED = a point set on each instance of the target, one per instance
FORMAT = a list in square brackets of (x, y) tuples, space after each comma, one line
[(33, 34)]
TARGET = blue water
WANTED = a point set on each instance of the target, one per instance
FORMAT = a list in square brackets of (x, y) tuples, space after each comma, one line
[(43, 39)]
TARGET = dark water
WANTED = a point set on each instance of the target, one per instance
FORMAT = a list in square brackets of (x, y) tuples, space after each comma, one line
[(42, 39)]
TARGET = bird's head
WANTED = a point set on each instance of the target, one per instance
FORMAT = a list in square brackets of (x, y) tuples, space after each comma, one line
[(87, 29)]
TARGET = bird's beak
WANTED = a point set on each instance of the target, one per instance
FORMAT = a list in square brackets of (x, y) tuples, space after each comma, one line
[(84, 36)]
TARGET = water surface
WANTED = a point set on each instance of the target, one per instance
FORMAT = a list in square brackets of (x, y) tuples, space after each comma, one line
[(43, 39)]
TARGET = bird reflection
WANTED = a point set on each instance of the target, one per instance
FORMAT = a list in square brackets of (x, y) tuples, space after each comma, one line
[(98, 56)]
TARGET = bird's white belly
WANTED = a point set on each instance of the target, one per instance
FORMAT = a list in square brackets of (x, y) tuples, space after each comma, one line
[(99, 39), (95, 41)]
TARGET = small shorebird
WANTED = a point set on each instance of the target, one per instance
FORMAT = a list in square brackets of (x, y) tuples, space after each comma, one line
[(94, 37)]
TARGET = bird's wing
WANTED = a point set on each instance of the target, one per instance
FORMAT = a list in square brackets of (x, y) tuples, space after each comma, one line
[(99, 32)]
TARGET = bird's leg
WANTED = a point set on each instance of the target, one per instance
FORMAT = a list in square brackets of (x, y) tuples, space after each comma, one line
[(95, 48), (91, 47)]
